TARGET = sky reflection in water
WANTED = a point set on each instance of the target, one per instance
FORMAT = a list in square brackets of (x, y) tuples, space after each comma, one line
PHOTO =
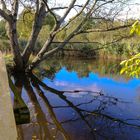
[(127, 89), (111, 113)]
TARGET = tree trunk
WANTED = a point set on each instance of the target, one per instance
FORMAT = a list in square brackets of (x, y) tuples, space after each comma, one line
[(35, 32), (15, 45)]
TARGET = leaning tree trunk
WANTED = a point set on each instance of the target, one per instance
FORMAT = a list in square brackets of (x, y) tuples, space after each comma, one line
[(12, 31), (38, 23), (11, 18)]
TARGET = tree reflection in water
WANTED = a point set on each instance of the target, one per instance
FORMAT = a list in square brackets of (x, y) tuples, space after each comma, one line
[(54, 115), (82, 67)]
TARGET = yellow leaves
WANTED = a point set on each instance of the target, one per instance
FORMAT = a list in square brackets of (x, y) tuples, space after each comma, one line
[(132, 31), (135, 23), (123, 62), (135, 28), (137, 62), (123, 70), (131, 67)]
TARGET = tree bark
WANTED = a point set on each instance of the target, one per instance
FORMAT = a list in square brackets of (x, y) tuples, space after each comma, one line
[(15, 45), (11, 18), (35, 32)]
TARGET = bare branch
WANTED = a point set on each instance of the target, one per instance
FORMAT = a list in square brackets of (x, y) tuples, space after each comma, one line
[(104, 30), (67, 11), (74, 17), (53, 33), (42, 55), (4, 12), (113, 42), (15, 8), (50, 10), (5, 15), (3, 5), (65, 7)]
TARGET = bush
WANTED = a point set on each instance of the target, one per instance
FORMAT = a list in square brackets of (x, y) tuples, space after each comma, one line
[(4, 45)]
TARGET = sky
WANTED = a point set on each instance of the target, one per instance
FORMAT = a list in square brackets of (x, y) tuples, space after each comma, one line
[(131, 11)]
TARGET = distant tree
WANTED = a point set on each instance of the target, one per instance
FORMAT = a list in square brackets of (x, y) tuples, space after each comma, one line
[(24, 23), (26, 19)]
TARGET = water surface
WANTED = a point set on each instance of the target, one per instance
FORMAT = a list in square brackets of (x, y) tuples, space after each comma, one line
[(78, 99)]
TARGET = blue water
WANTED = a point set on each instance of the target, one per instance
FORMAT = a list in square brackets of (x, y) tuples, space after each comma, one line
[(122, 88), (97, 103)]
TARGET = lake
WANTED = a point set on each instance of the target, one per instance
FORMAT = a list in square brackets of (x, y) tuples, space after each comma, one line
[(77, 99)]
